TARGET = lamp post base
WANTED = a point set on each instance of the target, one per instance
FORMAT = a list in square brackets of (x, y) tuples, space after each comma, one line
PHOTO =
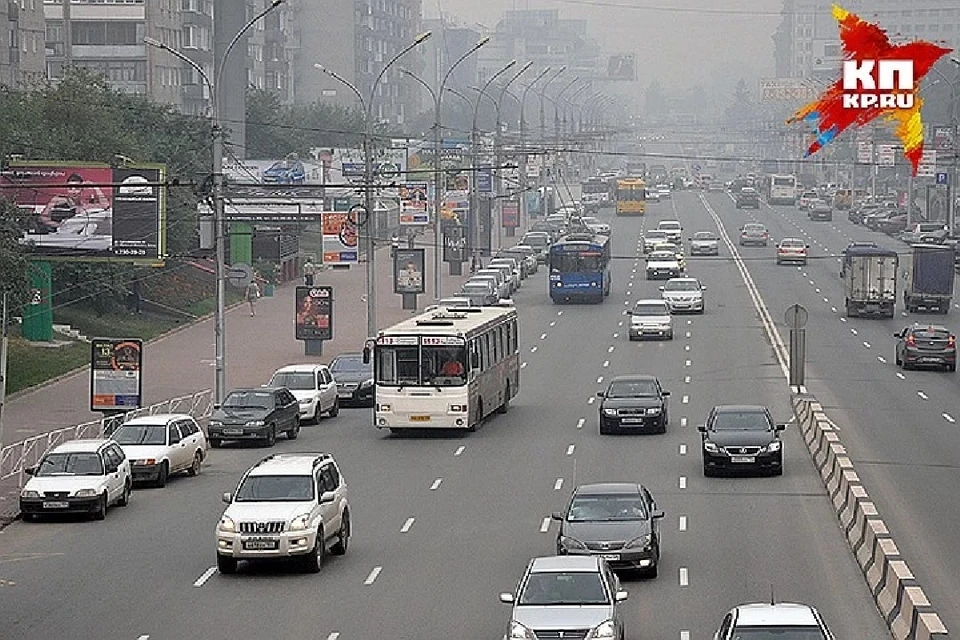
[(456, 268)]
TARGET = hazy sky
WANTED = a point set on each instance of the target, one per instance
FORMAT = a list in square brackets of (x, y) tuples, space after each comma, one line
[(679, 42)]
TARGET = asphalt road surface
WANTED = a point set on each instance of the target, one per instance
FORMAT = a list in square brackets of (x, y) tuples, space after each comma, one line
[(443, 523)]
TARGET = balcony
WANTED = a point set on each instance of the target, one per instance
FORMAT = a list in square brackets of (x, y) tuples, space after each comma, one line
[(13, 11)]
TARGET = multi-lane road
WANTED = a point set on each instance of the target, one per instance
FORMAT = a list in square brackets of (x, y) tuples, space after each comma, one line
[(444, 523)]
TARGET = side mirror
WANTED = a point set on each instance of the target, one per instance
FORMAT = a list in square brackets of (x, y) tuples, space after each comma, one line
[(327, 497), (780, 427), (507, 598), (657, 514), (216, 406), (556, 515), (661, 288), (896, 335), (665, 394), (628, 312), (808, 246), (366, 355), (601, 394), (621, 596), (702, 428), (30, 471), (703, 287), (227, 497)]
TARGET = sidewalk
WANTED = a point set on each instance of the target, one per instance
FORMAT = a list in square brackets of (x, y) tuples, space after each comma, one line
[(182, 362)]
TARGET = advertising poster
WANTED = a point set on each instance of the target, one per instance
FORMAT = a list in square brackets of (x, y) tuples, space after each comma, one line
[(943, 138), (938, 203), (510, 213), (408, 271), (454, 244), (340, 236), (89, 212), (314, 313), (414, 204), (115, 367)]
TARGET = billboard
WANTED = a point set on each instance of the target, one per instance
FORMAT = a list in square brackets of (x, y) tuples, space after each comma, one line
[(454, 244), (414, 204), (621, 67), (289, 171), (943, 138), (90, 212), (115, 367), (313, 318), (340, 237), (510, 213), (408, 270), (938, 203), (787, 89), (389, 165)]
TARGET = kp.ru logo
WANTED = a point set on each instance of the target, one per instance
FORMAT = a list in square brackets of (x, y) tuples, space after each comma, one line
[(887, 84)]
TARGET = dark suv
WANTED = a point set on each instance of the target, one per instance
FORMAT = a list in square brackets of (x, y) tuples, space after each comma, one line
[(738, 437), (255, 414), (633, 404), (747, 197), (926, 346)]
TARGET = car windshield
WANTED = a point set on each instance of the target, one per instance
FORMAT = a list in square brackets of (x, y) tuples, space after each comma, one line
[(778, 633), (606, 508), (249, 400), (754, 227), (741, 421), (275, 489), (932, 333), (475, 287), (555, 588), (669, 226), (793, 243), (294, 380), (141, 434), (655, 235), (704, 235), (589, 220), (70, 464), (350, 364), (682, 285), (651, 310), (661, 256), (632, 389)]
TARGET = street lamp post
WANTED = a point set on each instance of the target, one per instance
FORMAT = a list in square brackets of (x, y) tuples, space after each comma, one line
[(498, 149), (544, 209), (219, 224), (472, 239), (523, 145), (369, 204)]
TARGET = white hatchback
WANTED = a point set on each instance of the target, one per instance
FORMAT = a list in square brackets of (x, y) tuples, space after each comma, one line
[(162, 444), (650, 318), (313, 386)]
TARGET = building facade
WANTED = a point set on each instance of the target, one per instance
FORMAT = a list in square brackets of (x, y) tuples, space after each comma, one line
[(21, 44)]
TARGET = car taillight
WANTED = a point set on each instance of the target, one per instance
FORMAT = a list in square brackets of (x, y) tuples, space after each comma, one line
[(911, 341), (952, 341)]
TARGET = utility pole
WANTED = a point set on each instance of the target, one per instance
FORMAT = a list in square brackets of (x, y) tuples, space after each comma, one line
[(4, 331)]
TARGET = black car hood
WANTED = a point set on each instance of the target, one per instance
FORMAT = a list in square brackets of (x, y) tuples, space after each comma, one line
[(240, 413), (613, 531), (353, 377), (644, 402), (742, 438)]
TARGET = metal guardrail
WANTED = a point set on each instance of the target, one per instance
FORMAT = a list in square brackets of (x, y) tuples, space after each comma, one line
[(16, 457)]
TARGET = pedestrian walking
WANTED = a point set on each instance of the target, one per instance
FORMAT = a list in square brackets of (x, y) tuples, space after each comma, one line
[(394, 245), (309, 270), (251, 295), (476, 263)]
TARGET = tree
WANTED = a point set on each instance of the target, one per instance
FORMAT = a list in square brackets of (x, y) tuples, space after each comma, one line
[(275, 129), (13, 261)]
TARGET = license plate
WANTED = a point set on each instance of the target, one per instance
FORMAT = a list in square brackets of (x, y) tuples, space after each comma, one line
[(633, 420), (929, 359), (743, 459), (55, 505), (344, 394), (419, 418), (233, 432), (610, 556), (261, 544)]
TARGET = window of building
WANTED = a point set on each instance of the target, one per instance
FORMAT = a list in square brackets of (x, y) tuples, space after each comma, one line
[(107, 33)]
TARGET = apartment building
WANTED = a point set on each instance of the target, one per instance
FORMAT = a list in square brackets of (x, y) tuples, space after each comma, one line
[(21, 43)]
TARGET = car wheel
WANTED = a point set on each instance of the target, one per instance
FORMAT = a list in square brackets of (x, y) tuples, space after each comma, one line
[(335, 409), (314, 560), (897, 360), (670, 336), (101, 511), (271, 436), (343, 536), (473, 427), (663, 424), (216, 443), (708, 472), (195, 466), (295, 431), (28, 517), (162, 475), (652, 572), (125, 496), (226, 565), (778, 471)]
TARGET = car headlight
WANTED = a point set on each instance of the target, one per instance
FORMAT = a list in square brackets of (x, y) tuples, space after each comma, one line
[(85, 493), (226, 524), (571, 543), (29, 493), (520, 632), (366, 383), (215, 423), (609, 412), (640, 542), (253, 423), (709, 447), (774, 446), (299, 523), (306, 400), (603, 630), (144, 462), (653, 411)]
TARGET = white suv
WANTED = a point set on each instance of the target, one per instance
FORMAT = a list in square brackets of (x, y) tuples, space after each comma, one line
[(291, 505), (80, 476), (162, 444), (313, 386), (781, 619)]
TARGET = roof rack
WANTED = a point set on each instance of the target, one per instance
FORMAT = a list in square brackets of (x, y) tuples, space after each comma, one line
[(318, 457)]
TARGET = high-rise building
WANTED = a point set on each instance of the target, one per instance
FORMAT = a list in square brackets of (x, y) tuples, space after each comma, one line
[(448, 43), (355, 39), (21, 44)]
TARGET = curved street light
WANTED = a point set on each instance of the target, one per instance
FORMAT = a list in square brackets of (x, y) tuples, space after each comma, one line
[(219, 224), (542, 93)]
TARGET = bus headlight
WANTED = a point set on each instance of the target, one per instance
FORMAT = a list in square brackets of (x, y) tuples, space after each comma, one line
[(383, 407), (558, 284), (458, 408)]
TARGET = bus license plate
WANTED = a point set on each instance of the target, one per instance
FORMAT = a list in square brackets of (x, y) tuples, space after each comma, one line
[(419, 418), (261, 544), (743, 459)]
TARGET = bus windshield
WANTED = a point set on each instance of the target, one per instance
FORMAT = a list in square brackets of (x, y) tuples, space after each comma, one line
[(630, 193), (576, 263), (421, 366)]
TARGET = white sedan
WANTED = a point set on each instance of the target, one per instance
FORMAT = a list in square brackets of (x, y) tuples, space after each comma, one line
[(596, 225)]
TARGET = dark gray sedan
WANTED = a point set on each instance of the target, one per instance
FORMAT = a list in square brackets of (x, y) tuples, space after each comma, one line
[(634, 404), (354, 379), (255, 414), (618, 521)]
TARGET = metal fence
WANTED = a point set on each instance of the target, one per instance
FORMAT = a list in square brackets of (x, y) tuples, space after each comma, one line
[(16, 457)]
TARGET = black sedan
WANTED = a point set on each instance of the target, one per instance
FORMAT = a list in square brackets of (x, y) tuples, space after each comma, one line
[(354, 379), (741, 437), (926, 346), (618, 521), (633, 404), (255, 414)]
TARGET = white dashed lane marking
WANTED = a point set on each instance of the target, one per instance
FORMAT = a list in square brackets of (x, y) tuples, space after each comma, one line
[(686, 380), (606, 363), (610, 349), (459, 450), (553, 324), (558, 484), (533, 349), (591, 400), (373, 575), (683, 449), (684, 577), (406, 525), (570, 449), (881, 359), (206, 576), (949, 418), (683, 421), (853, 331), (866, 344), (545, 525), (842, 319), (436, 484), (334, 636), (922, 395), (683, 482), (543, 336), (682, 526), (687, 363), (685, 400), (580, 423), (599, 379), (901, 376), (684, 635)]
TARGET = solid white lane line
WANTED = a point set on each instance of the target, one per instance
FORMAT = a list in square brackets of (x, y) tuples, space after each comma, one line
[(949, 418), (683, 421), (436, 484), (683, 523), (206, 576), (683, 449), (606, 363), (580, 423), (545, 525), (683, 482), (543, 336), (687, 363), (901, 376), (922, 395), (610, 349), (373, 575), (685, 400), (533, 349), (599, 379), (570, 450), (881, 359), (558, 484), (684, 577), (334, 636), (406, 525), (459, 450)]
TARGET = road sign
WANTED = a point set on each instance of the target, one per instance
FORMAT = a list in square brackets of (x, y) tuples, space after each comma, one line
[(389, 170), (943, 177), (796, 316), (240, 275)]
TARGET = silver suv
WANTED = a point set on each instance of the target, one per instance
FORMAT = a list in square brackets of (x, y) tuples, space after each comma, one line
[(291, 505)]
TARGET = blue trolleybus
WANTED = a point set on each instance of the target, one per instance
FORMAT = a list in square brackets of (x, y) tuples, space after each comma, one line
[(580, 268)]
